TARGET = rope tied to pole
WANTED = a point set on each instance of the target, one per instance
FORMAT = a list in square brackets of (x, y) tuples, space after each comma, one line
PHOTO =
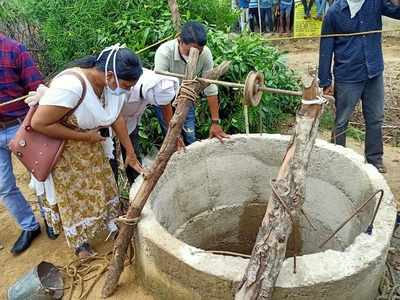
[(127, 221), (319, 100), (186, 92)]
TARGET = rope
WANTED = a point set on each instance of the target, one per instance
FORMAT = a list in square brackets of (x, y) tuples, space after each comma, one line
[(229, 253), (127, 221), (319, 100), (155, 44), (80, 271), (186, 92), (332, 35)]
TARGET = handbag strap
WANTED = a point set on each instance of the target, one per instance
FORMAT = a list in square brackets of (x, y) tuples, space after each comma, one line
[(84, 89)]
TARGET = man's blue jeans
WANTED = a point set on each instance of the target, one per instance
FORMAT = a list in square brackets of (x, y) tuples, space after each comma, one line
[(371, 93), (189, 127), (321, 5), (10, 195)]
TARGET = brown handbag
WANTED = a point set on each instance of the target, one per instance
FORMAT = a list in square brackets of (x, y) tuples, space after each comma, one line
[(39, 153)]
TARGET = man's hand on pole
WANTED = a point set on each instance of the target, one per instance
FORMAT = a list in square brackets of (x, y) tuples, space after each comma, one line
[(328, 90)]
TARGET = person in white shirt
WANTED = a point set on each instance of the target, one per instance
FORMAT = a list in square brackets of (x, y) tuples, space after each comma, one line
[(151, 89)]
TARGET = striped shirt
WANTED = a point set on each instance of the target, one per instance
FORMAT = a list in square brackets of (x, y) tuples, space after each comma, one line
[(263, 3), (18, 76)]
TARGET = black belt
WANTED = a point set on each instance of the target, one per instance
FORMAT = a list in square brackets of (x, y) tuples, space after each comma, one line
[(11, 123)]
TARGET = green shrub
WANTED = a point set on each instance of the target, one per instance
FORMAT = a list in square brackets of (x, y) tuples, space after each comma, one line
[(247, 53), (76, 28), (72, 29)]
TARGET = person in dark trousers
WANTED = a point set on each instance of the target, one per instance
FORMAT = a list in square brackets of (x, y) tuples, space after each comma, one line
[(307, 4), (266, 15), (18, 76), (358, 68)]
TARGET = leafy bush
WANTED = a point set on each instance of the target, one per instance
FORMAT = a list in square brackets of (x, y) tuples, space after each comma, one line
[(247, 53), (72, 29), (216, 13)]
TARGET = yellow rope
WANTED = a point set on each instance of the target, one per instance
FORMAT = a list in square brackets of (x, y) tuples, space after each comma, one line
[(330, 35), (155, 44), (186, 91), (80, 271)]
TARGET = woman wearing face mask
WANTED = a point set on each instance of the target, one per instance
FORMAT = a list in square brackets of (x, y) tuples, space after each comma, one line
[(83, 192)]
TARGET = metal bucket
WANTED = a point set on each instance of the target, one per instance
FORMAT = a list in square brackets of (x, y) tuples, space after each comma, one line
[(43, 282)]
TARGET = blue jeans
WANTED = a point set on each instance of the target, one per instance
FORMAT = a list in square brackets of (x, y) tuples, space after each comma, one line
[(286, 10), (10, 195), (189, 127), (269, 20), (321, 4), (371, 93)]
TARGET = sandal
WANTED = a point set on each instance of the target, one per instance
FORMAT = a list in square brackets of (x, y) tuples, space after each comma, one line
[(381, 168)]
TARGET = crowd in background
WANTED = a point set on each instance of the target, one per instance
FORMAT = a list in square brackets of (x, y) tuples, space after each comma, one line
[(276, 15)]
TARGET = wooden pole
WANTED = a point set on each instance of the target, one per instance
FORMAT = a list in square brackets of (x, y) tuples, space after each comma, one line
[(283, 207), (237, 85), (259, 17), (14, 101), (167, 149), (176, 17)]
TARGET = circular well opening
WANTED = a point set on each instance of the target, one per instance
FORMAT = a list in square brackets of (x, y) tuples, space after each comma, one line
[(215, 200)]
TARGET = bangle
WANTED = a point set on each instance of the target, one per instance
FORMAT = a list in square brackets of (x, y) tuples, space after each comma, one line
[(217, 121)]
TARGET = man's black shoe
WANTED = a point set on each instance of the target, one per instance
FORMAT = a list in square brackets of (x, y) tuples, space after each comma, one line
[(24, 241), (50, 231)]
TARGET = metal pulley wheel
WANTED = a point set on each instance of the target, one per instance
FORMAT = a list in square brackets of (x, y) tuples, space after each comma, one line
[(252, 92)]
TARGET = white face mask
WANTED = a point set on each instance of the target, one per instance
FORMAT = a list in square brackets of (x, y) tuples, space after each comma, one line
[(118, 90)]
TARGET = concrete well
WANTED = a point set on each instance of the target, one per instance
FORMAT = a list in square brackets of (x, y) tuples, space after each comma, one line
[(213, 197)]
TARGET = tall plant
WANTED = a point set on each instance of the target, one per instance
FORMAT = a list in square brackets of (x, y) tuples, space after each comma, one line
[(72, 29)]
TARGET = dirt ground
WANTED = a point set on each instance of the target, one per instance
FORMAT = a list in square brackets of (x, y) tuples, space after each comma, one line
[(301, 55)]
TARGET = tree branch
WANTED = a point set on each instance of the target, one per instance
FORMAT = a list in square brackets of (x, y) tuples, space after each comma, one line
[(281, 217), (167, 149)]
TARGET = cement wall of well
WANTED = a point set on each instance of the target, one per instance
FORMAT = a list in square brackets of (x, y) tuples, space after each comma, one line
[(212, 177)]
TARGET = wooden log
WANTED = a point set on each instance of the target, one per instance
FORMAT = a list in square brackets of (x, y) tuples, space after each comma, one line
[(176, 17), (167, 149), (282, 211)]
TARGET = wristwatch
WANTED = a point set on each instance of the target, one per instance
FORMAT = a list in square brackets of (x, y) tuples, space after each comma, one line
[(217, 121)]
